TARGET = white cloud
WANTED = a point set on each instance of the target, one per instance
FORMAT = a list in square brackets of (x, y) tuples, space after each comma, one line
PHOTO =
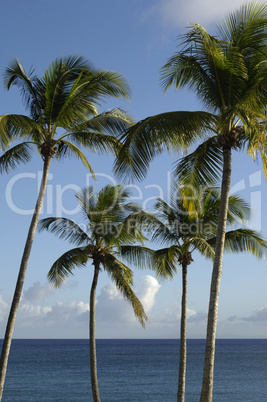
[(257, 315), (59, 320), (38, 292), (58, 314), (37, 319), (148, 289), (196, 316), (111, 306), (115, 317), (177, 13)]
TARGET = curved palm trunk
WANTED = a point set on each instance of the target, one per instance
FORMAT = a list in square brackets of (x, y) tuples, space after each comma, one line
[(182, 362), (93, 365), (207, 382), (21, 276)]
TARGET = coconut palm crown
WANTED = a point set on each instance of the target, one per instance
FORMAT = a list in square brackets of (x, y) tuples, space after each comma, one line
[(110, 229), (63, 109)]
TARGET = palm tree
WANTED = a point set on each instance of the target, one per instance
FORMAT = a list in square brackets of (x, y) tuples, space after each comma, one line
[(108, 219), (228, 74), (62, 116), (184, 231)]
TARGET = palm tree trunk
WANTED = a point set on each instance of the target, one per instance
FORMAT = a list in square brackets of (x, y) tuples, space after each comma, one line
[(93, 365), (182, 362), (207, 382), (21, 276)]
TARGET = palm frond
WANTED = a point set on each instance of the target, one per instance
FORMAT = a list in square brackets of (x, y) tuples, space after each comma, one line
[(87, 201), (202, 167), (111, 216), (264, 164), (14, 156), (239, 209), (140, 256), (95, 142), (15, 74), (63, 99), (82, 98), (165, 261), (13, 126), (153, 135), (74, 151), (202, 245), (221, 69), (64, 265), (245, 240), (99, 133), (122, 277), (109, 84), (65, 229), (246, 27), (199, 65)]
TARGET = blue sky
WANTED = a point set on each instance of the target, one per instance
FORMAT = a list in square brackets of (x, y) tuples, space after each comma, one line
[(135, 38)]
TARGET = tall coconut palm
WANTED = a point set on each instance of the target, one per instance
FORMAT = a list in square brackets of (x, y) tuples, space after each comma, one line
[(183, 231), (109, 228), (63, 115), (228, 74)]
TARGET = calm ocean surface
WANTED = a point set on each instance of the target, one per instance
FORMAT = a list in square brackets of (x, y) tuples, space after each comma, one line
[(133, 370)]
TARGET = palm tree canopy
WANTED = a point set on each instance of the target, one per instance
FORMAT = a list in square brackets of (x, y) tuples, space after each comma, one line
[(108, 228), (63, 108), (182, 231), (222, 69), (228, 74)]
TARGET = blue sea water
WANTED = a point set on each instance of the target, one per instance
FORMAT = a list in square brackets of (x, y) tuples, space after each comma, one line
[(133, 370)]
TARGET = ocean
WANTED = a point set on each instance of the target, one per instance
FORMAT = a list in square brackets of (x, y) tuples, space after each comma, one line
[(133, 370)]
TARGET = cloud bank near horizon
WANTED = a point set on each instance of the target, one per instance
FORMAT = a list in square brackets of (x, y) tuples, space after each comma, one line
[(115, 318)]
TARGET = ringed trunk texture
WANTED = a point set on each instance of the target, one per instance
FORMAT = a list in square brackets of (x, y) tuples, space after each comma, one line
[(21, 276), (93, 364), (182, 362), (207, 382)]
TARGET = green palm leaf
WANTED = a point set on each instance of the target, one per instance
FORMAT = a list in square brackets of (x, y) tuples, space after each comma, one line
[(200, 244), (140, 256), (14, 156), (78, 153), (65, 264), (65, 229), (153, 135), (17, 76), (19, 126), (202, 167), (119, 273), (245, 240), (165, 261)]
